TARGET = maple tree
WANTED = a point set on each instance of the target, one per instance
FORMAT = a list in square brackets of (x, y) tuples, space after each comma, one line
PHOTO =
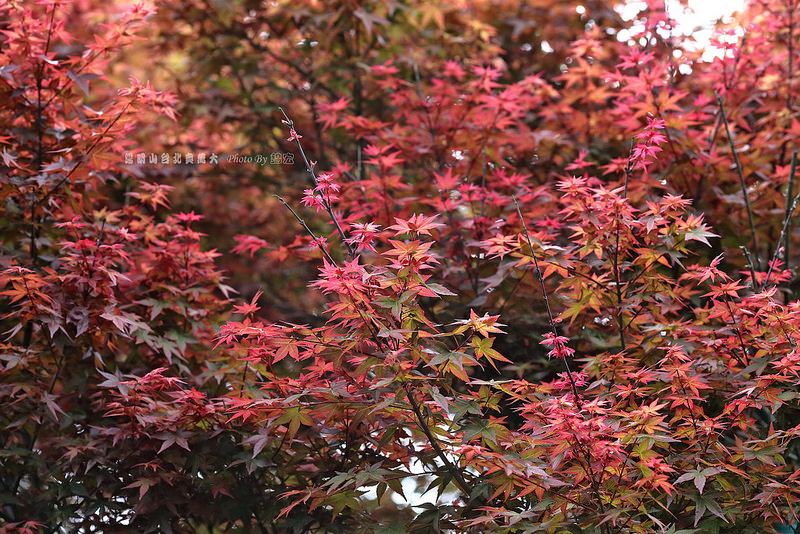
[(532, 257)]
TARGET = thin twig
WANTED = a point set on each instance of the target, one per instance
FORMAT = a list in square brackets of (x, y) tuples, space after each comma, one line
[(735, 325), (455, 473), (742, 183), (325, 202), (37, 430), (789, 194), (306, 228), (546, 300), (628, 169), (713, 136), (790, 208), (84, 157), (750, 265), (790, 73), (617, 273), (736, 60)]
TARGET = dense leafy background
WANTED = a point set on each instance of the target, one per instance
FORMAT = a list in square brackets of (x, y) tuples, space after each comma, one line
[(529, 255)]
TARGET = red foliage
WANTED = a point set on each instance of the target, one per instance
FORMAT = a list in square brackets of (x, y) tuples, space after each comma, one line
[(535, 300)]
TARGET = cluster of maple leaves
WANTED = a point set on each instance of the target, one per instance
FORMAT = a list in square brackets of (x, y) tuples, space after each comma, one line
[(543, 272)]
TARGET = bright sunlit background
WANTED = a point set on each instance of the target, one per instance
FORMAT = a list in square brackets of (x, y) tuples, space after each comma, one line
[(697, 21)]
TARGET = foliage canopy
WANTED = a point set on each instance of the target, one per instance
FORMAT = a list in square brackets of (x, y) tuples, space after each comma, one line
[(530, 256)]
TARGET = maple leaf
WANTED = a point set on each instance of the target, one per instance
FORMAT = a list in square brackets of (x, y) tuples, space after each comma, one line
[(363, 235), (454, 70), (558, 345), (173, 438), (188, 217), (248, 243), (249, 308), (369, 19), (483, 349), (153, 194), (484, 325), (431, 12), (729, 289), (500, 245), (144, 484), (416, 224), (382, 157), (329, 113)]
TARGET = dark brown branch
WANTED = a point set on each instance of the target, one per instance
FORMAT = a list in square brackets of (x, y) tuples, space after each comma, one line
[(742, 182), (791, 205), (550, 317), (325, 203)]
